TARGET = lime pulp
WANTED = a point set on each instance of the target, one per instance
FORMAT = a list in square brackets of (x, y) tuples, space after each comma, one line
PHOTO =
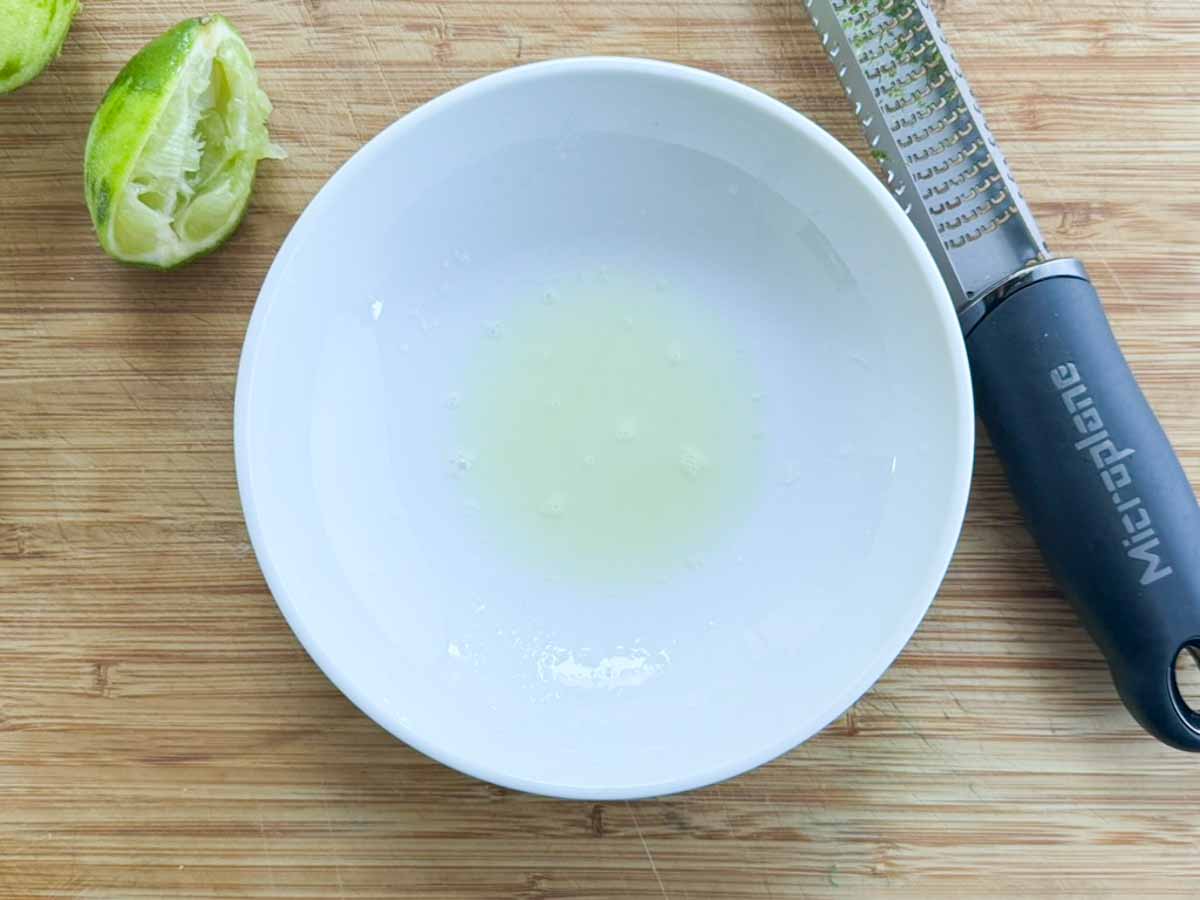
[(173, 149), (31, 34)]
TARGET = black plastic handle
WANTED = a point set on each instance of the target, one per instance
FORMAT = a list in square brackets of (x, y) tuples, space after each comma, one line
[(1100, 486)]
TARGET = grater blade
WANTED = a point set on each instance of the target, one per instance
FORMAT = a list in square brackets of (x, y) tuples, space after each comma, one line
[(929, 136)]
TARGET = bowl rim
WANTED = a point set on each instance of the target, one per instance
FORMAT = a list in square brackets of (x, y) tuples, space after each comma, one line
[(945, 536)]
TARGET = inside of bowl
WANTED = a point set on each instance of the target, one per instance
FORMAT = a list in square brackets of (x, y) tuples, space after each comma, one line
[(390, 416)]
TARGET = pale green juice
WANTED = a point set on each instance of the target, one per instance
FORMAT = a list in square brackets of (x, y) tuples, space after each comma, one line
[(608, 429)]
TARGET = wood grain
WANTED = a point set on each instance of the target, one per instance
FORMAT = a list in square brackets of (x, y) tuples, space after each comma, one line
[(163, 735)]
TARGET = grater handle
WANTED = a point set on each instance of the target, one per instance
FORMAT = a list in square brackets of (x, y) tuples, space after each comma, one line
[(1100, 486)]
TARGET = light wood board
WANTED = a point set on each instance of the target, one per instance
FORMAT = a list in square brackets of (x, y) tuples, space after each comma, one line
[(163, 735)]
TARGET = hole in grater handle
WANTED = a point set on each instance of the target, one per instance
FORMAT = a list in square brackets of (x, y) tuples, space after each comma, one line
[(1187, 676)]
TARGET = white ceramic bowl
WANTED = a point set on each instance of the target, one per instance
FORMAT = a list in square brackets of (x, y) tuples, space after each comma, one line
[(830, 336)]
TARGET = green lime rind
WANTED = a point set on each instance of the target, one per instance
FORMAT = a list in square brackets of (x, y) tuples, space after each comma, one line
[(31, 36), (126, 117), (173, 149)]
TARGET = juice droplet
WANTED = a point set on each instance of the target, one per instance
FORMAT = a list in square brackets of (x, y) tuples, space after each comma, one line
[(589, 460), (376, 309), (462, 461), (555, 506), (693, 462), (794, 473), (675, 353), (493, 330), (454, 399), (627, 429)]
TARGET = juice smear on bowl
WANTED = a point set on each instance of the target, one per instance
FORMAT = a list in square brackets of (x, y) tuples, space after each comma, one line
[(608, 429)]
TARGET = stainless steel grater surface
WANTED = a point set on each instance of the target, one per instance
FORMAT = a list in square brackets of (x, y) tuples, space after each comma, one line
[(929, 136)]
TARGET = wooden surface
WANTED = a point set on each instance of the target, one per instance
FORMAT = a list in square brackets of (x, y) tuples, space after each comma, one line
[(163, 735)]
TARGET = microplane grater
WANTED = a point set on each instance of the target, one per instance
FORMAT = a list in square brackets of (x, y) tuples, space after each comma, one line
[(931, 139), (1096, 477)]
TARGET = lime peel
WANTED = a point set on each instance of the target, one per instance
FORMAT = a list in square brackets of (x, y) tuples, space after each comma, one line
[(173, 149), (31, 35)]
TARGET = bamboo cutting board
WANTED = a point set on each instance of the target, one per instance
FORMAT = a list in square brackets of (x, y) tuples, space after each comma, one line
[(163, 735)]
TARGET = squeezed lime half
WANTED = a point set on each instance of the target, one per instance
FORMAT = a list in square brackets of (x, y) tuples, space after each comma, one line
[(31, 34), (173, 149)]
